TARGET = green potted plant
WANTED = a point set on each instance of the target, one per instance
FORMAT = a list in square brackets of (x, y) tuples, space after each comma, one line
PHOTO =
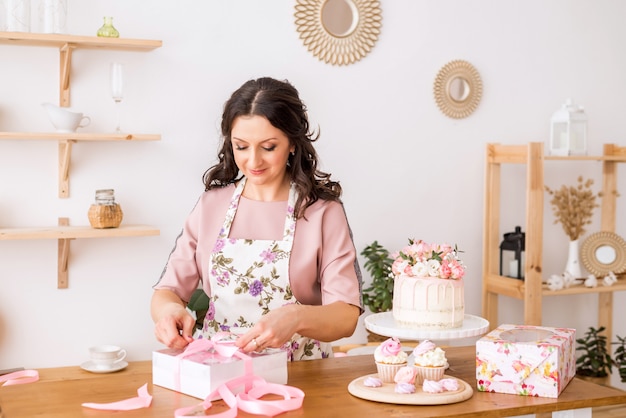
[(595, 360), (379, 296), (620, 357)]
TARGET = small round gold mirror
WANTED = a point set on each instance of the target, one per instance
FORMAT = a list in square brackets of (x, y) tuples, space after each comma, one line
[(339, 17), (338, 32), (458, 89), (604, 252)]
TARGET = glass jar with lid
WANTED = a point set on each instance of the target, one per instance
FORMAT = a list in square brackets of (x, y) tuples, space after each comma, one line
[(105, 213)]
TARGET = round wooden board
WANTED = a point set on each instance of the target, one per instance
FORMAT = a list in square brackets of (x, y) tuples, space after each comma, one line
[(386, 393)]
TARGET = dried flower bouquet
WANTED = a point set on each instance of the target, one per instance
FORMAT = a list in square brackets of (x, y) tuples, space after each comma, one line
[(573, 207)]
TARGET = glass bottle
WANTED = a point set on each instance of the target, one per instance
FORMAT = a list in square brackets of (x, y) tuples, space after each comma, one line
[(17, 15), (107, 30), (3, 17), (52, 16)]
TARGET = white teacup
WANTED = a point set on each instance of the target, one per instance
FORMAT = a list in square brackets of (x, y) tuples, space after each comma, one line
[(106, 356), (65, 120)]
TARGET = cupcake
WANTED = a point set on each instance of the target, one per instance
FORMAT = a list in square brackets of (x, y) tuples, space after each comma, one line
[(389, 359), (429, 362)]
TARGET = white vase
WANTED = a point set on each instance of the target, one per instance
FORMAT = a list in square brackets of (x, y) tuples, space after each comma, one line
[(573, 260)]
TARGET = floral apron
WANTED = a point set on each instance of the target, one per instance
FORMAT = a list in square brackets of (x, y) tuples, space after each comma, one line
[(249, 278)]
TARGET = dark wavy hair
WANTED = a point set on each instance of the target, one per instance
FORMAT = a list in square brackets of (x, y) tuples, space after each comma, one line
[(279, 102)]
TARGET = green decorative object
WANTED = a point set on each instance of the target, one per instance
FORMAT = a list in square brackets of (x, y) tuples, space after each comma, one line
[(379, 296), (595, 358), (107, 30)]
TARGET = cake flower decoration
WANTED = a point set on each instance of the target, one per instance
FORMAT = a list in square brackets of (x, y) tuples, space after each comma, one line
[(421, 259)]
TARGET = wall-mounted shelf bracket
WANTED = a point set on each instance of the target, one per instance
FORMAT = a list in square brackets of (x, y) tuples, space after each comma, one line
[(63, 255), (64, 71), (65, 157)]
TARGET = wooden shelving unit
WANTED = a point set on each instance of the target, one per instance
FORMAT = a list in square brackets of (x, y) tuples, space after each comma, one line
[(63, 232), (531, 290)]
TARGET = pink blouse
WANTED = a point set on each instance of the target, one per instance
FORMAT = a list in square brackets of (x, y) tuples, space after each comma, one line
[(323, 266)]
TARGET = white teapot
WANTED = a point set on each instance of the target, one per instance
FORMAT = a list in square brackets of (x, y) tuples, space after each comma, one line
[(65, 120)]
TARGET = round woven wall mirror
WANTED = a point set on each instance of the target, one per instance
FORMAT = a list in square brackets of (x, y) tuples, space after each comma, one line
[(338, 32), (458, 89), (604, 252)]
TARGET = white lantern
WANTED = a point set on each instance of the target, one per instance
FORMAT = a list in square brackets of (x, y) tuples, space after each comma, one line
[(568, 133)]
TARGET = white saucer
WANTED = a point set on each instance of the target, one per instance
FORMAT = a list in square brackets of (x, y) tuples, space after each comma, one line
[(91, 367)]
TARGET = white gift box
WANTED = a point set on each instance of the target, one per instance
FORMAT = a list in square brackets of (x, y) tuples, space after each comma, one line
[(526, 360), (201, 373)]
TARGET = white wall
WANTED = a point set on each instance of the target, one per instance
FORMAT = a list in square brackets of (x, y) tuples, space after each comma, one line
[(407, 170)]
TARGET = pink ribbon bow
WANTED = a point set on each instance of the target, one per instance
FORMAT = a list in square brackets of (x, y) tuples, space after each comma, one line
[(142, 400), (220, 342), (254, 387)]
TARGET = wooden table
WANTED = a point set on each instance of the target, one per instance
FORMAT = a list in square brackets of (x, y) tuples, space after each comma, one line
[(60, 392)]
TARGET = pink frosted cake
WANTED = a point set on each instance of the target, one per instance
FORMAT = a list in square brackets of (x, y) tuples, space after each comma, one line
[(428, 288)]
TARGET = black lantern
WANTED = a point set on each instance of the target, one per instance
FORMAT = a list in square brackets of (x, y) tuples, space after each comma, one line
[(511, 254)]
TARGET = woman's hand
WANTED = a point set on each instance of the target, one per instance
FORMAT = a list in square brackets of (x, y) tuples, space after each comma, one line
[(173, 324), (324, 323), (273, 330)]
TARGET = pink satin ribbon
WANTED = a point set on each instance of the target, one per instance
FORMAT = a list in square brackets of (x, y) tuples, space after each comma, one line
[(20, 377), (142, 400), (220, 342), (254, 387)]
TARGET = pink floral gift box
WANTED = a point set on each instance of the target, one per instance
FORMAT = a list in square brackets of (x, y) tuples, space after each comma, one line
[(200, 373), (526, 360)]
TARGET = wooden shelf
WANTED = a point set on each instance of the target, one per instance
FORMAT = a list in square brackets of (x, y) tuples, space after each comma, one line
[(531, 290), (64, 233), (515, 288), (517, 154), (66, 140), (79, 136), (74, 232), (67, 43), (77, 41), (616, 158)]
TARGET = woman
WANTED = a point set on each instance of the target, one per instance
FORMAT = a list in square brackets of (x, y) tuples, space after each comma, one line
[(268, 240)]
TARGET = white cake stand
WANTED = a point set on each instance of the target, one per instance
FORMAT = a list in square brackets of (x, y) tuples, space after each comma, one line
[(384, 324)]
